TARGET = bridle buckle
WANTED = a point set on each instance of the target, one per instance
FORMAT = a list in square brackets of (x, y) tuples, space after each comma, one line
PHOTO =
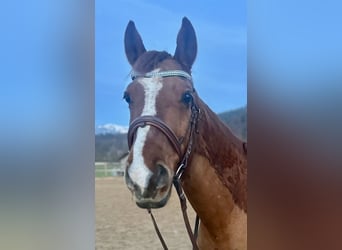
[(180, 171)]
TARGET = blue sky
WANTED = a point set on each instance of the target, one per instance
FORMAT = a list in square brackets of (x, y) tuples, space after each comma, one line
[(220, 70)]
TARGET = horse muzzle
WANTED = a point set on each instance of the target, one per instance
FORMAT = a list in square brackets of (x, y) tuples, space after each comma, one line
[(157, 191)]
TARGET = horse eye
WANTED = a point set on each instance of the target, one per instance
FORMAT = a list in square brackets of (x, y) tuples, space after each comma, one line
[(127, 97), (187, 98)]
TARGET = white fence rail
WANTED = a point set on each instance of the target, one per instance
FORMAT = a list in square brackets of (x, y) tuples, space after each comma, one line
[(104, 169)]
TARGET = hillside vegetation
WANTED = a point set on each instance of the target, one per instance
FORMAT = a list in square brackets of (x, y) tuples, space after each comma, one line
[(237, 121)]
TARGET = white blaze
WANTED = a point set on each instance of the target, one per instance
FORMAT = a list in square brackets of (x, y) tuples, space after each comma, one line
[(138, 171)]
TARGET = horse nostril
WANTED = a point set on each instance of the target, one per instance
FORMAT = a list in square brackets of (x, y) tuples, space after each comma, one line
[(135, 188), (141, 193), (159, 182), (162, 176)]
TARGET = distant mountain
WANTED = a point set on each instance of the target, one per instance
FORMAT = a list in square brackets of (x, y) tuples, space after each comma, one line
[(110, 147), (111, 139), (110, 128)]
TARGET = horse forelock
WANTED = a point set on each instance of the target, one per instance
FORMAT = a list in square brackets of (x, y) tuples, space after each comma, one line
[(150, 60), (153, 59)]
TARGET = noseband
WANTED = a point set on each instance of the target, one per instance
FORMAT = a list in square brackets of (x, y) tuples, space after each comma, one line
[(143, 121), (176, 143)]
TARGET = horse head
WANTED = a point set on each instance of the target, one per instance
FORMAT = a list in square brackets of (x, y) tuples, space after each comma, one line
[(162, 103)]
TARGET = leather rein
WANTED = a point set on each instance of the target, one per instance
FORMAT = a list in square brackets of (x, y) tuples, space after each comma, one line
[(176, 143)]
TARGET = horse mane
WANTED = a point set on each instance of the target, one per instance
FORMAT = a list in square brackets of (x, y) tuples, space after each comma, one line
[(229, 159)]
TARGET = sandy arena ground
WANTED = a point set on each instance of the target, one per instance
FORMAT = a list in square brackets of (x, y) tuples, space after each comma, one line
[(120, 224)]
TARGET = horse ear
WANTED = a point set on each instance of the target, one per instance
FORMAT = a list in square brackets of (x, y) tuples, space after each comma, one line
[(186, 44), (134, 46)]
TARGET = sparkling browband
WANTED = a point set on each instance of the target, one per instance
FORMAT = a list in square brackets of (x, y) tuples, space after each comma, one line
[(162, 74)]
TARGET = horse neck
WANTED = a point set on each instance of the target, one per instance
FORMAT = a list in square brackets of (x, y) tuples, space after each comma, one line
[(216, 178)]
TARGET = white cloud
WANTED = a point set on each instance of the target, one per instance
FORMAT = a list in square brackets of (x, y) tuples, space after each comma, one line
[(111, 128)]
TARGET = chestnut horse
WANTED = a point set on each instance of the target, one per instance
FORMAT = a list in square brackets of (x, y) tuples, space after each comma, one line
[(174, 133)]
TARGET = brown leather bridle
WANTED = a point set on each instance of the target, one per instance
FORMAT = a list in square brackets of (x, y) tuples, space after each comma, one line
[(176, 143), (143, 121)]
